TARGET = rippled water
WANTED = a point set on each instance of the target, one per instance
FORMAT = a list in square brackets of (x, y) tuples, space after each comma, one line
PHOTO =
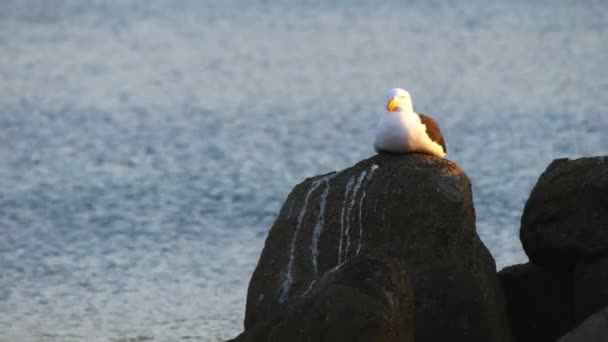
[(145, 147)]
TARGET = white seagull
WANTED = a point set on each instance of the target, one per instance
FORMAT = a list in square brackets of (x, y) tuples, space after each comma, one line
[(402, 130)]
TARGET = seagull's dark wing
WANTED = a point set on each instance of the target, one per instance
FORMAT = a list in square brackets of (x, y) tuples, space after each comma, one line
[(433, 130)]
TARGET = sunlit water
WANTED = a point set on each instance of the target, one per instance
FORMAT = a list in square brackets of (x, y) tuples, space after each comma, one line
[(146, 147)]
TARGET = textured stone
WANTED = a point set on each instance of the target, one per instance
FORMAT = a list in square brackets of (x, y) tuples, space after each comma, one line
[(369, 298), (538, 301), (593, 329), (590, 287), (413, 207), (566, 216)]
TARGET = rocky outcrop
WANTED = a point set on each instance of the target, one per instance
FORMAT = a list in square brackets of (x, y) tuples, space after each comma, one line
[(413, 209), (590, 287), (564, 231), (368, 298), (538, 301), (593, 329), (566, 216)]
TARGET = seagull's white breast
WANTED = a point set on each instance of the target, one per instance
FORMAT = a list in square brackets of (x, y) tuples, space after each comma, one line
[(402, 131)]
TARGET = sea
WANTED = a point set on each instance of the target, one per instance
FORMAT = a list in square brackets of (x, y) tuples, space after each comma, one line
[(147, 146)]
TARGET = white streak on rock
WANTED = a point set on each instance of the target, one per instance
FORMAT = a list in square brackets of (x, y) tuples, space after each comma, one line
[(291, 208), (369, 176), (288, 276), (353, 199), (309, 288), (389, 297), (385, 204), (318, 228), (349, 186), (360, 222), (312, 283)]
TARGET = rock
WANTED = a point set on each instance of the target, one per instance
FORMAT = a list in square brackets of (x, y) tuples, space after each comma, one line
[(564, 231), (594, 329), (368, 298), (539, 301), (546, 301), (413, 207), (590, 288), (566, 216)]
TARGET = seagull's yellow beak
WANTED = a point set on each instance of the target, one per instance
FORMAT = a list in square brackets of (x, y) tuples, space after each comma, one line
[(392, 104)]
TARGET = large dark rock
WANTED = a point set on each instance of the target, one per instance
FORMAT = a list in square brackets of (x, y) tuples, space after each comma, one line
[(546, 301), (539, 301), (566, 216), (368, 298), (593, 329), (590, 288), (564, 231), (413, 207)]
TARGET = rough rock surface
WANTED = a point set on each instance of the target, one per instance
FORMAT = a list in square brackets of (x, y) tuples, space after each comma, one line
[(538, 301), (546, 301), (593, 329), (566, 216), (413, 207), (590, 288), (368, 298), (564, 231)]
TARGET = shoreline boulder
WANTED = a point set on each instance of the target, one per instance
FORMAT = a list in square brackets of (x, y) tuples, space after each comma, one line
[(412, 207), (593, 329), (566, 216), (539, 301), (590, 288), (564, 231), (366, 299)]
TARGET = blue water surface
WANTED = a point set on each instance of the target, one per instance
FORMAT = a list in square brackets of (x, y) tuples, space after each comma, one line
[(146, 146)]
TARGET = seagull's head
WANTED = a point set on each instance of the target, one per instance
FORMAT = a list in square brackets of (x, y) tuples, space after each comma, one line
[(398, 100)]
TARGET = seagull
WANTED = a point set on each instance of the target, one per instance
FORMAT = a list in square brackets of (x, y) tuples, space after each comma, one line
[(401, 130)]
